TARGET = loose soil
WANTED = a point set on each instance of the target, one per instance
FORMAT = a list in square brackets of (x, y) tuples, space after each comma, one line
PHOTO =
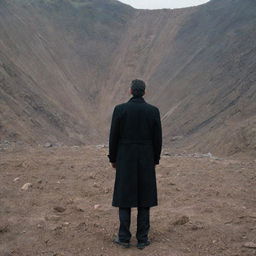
[(207, 205)]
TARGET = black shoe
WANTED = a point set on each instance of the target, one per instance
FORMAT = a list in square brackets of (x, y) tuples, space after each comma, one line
[(141, 245), (123, 244)]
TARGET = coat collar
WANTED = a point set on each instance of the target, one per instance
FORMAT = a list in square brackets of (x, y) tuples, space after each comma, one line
[(137, 99)]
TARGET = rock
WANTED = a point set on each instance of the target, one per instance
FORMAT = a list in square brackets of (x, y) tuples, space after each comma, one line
[(91, 176), (96, 206), (52, 217), (106, 190), (175, 138), (82, 226), (4, 229), (250, 245), (70, 201), (181, 221), (16, 179), (197, 227), (39, 181), (26, 186), (47, 145), (59, 209), (209, 155), (79, 209), (56, 228), (101, 146), (194, 227), (95, 185), (25, 164)]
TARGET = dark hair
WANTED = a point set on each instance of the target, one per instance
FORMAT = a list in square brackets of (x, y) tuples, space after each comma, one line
[(138, 88)]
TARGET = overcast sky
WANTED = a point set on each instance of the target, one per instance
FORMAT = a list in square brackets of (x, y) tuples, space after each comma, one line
[(158, 4)]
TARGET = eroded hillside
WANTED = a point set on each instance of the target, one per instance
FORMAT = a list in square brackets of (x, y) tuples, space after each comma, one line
[(65, 64)]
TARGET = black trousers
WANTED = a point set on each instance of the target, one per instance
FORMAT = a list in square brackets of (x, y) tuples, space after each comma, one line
[(143, 224)]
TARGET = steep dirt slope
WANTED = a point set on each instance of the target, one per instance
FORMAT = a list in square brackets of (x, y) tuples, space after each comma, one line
[(199, 63), (58, 53), (65, 64)]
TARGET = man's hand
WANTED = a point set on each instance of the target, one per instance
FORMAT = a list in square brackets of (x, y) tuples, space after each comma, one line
[(113, 165)]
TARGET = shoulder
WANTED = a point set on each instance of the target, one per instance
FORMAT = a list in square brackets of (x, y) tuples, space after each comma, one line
[(152, 108), (119, 106), (118, 109)]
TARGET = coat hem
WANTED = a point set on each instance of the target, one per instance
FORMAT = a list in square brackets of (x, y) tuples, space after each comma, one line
[(134, 205)]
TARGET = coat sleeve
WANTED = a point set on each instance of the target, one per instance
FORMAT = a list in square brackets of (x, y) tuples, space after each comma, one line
[(157, 137), (114, 136)]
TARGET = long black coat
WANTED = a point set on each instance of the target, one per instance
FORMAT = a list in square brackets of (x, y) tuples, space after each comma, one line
[(135, 144)]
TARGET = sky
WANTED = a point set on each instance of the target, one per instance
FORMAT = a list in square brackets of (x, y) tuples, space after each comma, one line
[(159, 4)]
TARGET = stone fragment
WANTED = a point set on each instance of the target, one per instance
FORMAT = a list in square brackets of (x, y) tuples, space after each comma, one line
[(80, 208), (250, 245), (101, 146), (47, 145), (96, 206), (26, 186), (106, 190), (197, 226), (4, 228), (52, 217), (95, 185), (59, 209), (181, 221)]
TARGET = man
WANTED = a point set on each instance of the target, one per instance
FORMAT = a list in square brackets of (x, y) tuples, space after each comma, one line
[(135, 144)]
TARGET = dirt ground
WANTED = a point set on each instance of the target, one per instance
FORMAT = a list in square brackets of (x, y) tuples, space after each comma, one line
[(207, 206)]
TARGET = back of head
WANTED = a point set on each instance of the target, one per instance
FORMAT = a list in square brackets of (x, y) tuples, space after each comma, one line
[(138, 88)]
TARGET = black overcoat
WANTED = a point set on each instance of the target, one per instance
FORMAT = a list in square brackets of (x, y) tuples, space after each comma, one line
[(135, 144)]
